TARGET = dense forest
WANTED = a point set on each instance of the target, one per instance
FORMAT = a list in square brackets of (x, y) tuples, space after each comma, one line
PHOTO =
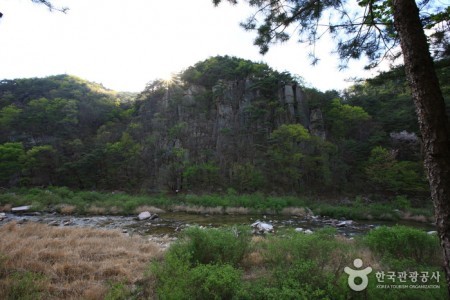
[(223, 124)]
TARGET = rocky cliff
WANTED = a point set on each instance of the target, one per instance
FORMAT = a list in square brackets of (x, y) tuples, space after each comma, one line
[(228, 123)]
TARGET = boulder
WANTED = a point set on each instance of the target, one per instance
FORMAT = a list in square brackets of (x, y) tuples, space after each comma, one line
[(344, 223), (146, 215), (261, 227), (19, 209)]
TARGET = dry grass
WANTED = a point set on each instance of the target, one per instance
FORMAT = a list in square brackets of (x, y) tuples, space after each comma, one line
[(77, 262), (67, 209), (96, 210), (197, 209), (294, 211), (151, 209), (237, 211), (408, 216), (6, 207)]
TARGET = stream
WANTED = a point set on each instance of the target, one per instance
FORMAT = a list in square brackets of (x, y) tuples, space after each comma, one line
[(171, 223)]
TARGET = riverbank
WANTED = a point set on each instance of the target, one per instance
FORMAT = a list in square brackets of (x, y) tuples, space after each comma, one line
[(65, 201), (38, 261), (90, 245)]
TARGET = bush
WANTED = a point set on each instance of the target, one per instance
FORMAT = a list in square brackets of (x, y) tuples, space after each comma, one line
[(302, 266), (189, 272), (404, 243), (402, 202), (171, 275), (117, 291), (211, 246), (214, 282), (322, 248), (23, 285)]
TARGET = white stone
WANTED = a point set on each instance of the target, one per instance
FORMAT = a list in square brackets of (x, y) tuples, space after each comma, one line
[(144, 215), (345, 223), (261, 227), (21, 208)]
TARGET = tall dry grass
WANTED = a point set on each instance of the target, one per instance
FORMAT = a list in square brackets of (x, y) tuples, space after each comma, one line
[(78, 263)]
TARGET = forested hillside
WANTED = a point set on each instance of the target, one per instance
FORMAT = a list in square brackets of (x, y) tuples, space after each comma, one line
[(223, 124)]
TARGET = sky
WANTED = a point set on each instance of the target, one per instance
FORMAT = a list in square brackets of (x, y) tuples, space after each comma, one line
[(126, 44)]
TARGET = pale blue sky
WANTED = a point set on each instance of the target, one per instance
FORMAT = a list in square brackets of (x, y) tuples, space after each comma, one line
[(125, 44)]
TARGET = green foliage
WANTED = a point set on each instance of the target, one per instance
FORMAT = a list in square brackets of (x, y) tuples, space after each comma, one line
[(402, 202), (8, 115), (214, 282), (345, 120), (175, 280), (404, 243), (294, 266), (25, 285), (386, 172), (190, 272), (11, 156), (117, 291), (316, 248), (209, 72), (216, 246), (203, 176), (246, 178), (303, 159), (177, 136)]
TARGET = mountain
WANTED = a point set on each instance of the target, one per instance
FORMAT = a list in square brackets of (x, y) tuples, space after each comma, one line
[(224, 123), (46, 110)]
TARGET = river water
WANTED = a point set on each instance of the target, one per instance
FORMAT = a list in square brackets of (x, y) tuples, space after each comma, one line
[(171, 223)]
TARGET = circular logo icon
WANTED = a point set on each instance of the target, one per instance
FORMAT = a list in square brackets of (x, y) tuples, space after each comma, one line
[(353, 274)]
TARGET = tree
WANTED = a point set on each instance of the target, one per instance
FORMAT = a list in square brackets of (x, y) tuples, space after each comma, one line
[(386, 173), (11, 155), (49, 5), (40, 164), (375, 31)]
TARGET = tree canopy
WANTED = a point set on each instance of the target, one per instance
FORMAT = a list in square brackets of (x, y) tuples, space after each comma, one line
[(362, 27)]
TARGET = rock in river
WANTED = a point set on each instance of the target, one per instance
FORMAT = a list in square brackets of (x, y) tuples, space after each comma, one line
[(261, 227), (344, 223), (21, 208), (147, 215)]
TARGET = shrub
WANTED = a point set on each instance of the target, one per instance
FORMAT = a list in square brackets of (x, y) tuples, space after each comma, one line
[(177, 278), (322, 248), (214, 282), (403, 243), (211, 246), (117, 291), (171, 275), (402, 202), (23, 285)]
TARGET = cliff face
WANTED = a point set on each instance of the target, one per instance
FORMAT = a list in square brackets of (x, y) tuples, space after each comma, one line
[(229, 123)]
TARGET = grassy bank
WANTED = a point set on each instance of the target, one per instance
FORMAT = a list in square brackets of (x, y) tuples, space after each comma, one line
[(230, 264), (66, 201), (42, 262)]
